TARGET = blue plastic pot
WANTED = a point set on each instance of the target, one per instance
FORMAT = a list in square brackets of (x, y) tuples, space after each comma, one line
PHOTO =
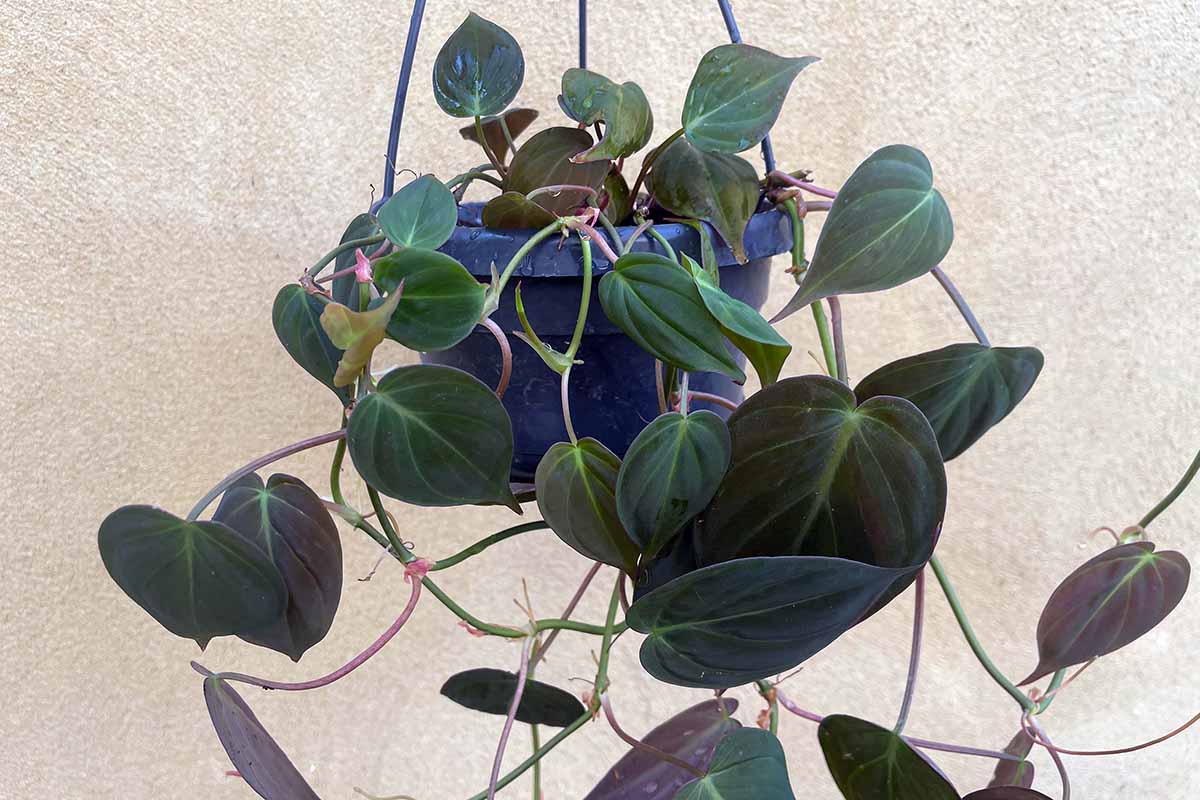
[(612, 393)]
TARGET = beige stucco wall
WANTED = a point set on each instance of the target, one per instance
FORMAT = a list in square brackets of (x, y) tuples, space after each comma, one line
[(165, 166)]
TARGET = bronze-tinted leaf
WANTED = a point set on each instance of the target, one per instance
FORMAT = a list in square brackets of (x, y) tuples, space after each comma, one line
[(617, 198), (545, 160), (1107, 603), (491, 691), (1015, 773), (517, 120), (873, 763), (357, 333), (512, 211)]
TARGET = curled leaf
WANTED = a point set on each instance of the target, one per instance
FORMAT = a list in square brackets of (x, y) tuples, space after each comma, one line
[(589, 97), (546, 160), (553, 359), (357, 333)]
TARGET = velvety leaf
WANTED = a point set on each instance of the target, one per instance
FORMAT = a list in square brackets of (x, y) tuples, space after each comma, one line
[(1006, 793), (517, 120), (1107, 603), (589, 97), (873, 763), (619, 198), (887, 226), (576, 493), (512, 210), (197, 579), (288, 522), (1015, 773), (433, 436), (963, 390), (478, 70), (422, 214), (676, 559), (296, 316), (258, 759), (744, 326), (736, 95), (441, 301), (345, 288), (669, 474), (657, 304), (739, 621), (492, 690), (719, 188), (690, 735), (545, 160), (357, 334), (748, 764), (813, 473)]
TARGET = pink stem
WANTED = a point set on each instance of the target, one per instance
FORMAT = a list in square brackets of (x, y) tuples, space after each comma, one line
[(383, 250), (540, 653), (342, 671), (839, 341), (505, 355), (714, 398), (597, 238), (566, 403), (659, 383), (1038, 734), (624, 592), (783, 177), (633, 237), (661, 755), (559, 188), (914, 656), (522, 674)]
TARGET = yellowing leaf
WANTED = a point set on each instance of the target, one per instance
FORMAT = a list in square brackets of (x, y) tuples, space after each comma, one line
[(358, 333)]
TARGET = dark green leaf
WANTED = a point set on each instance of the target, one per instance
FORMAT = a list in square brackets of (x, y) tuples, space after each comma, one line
[(887, 226), (422, 214), (735, 96), (748, 764), (656, 303), (872, 763), (751, 618), (258, 759), (345, 288), (287, 521), (441, 302), (296, 316), (589, 97), (198, 579), (545, 160), (576, 493), (491, 691), (722, 189), (814, 474), (691, 735), (433, 436), (1015, 773), (669, 474), (745, 327), (963, 390), (517, 120), (511, 210), (478, 70), (1006, 793), (619, 197), (1110, 601)]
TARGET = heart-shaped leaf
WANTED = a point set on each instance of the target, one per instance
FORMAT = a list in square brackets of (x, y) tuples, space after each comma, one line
[(690, 735), (288, 522), (963, 390), (296, 316), (516, 119), (887, 226), (589, 97), (422, 214), (748, 764), (576, 493), (719, 188), (491, 691), (735, 96), (259, 761), (813, 473), (744, 326), (441, 301), (433, 436), (345, 287), (617, 198), (198, 579), (478, 70), (545, 160), (1006, 793), (1107, 603), (512, 210), (1015, 773), (873, 763), (357, 333), (751, 618), (669, 474), (657, 304)]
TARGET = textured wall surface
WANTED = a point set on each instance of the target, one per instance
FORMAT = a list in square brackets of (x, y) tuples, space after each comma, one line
[(165, 166)]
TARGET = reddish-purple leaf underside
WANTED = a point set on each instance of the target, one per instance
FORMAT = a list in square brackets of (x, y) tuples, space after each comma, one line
[(1015, 773), (1006, 793)]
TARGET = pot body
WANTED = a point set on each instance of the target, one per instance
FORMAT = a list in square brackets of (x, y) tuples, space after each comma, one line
[(612, 393)]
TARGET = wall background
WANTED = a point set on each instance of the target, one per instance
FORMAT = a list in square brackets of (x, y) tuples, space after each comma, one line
[(165, 166)]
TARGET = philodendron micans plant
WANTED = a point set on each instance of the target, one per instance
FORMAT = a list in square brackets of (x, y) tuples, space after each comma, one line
[(751, 542)]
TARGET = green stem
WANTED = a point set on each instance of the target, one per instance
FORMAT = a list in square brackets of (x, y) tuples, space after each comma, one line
[(799, 265), (650, 159), (538, 754), (467, 177), (611, 229), (818, 312), (485, 543), (353, 244), (1055, 682), (606, 644), (662, 241), (537, 765), (972, 641), (495, 292), (1173, 495), (765, 690), (585, 299)]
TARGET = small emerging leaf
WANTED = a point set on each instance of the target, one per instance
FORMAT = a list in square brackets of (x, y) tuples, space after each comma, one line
[(873, 763), (552, 358), (422, 214), (345, 287), (589, 97), (516, 119), (478, 70), (357, 333), (748, 764), (491, 691)]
